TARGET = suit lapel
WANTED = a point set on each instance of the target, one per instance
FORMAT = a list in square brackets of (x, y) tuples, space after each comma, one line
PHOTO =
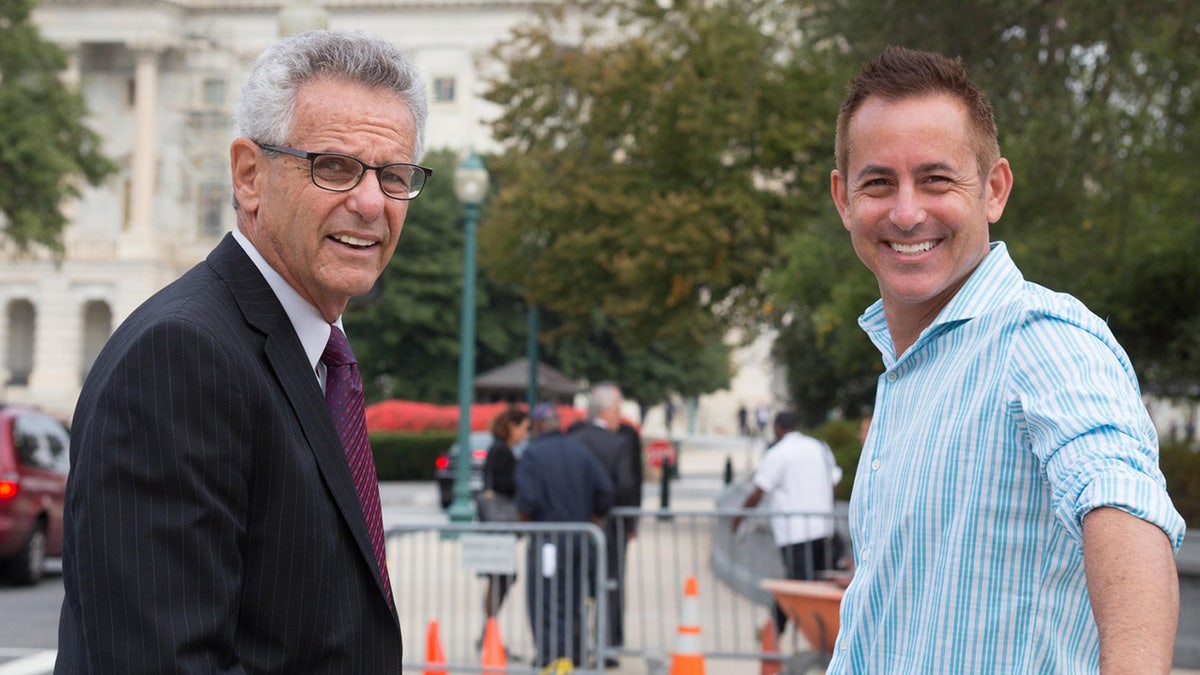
[(292, 369)]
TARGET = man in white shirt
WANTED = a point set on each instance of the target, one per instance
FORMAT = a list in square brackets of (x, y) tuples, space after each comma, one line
[(796, 477)]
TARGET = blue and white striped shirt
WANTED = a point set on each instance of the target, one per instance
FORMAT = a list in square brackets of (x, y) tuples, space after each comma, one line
[(1013, 415)]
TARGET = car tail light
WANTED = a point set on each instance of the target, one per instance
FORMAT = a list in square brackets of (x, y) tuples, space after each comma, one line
[(478, 455), (8, 488), (443, 462)]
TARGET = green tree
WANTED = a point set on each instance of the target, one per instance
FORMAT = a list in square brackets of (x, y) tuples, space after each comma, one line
[(44, 144), (651, 178), (1094, 102), (407, 339), (407, 336), (646, 374), (673, 180)]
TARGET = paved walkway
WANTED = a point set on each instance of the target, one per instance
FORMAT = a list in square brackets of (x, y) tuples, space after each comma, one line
[(702, 466)]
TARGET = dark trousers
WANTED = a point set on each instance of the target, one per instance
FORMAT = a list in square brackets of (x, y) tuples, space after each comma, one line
[(615, 561), (803, 560), (555, 600)]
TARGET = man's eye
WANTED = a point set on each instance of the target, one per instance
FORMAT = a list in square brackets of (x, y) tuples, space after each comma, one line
[(333, 167), (397, 179), (876, 185), (939, 183)]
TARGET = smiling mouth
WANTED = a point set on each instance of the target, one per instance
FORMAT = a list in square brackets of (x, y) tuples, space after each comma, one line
[(354, 242), (913, 249)]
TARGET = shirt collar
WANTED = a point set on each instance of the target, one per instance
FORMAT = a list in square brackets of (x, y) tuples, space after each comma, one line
[(311, 327), (994, 282)]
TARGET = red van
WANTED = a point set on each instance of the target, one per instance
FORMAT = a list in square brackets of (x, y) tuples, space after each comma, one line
[(33, 481)]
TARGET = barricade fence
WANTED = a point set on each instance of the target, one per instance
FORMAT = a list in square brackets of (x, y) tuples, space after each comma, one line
[(441, 571), (669, 546), (447, 572)]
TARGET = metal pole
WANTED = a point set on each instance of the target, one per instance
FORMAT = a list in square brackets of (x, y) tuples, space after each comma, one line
[(531, 351), (462, 508)]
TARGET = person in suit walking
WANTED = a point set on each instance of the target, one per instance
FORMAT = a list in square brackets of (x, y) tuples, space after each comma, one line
[(602, 434), (223, 511), (559, 481)]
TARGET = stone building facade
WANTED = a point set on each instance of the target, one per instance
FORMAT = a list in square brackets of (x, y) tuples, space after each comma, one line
[(160, 78)]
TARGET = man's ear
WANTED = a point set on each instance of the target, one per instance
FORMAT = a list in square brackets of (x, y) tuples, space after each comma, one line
[(841, 196), (248, 167), (1000, 182)]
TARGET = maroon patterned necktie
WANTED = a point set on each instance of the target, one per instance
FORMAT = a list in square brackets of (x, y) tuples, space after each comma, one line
[(344, 396)]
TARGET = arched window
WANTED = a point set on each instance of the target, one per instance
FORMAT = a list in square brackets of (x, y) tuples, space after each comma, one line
[(97, 327), (22, 319)]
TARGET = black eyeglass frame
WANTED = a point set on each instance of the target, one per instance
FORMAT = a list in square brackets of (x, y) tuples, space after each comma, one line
[(312, 161)]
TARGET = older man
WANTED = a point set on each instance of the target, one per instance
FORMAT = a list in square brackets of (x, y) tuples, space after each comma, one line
[(223, 512), (612, 443)]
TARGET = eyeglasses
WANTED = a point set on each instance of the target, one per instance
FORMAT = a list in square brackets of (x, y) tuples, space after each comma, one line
[(341, 173)]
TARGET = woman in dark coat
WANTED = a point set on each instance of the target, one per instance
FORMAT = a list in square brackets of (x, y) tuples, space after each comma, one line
[(509, 429)]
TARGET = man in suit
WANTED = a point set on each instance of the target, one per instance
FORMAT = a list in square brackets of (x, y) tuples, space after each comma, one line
[(223, 510), (559, 481), (602, 434)]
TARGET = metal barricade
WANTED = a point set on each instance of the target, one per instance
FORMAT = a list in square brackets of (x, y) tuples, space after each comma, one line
[(671, 545), (441, 572)]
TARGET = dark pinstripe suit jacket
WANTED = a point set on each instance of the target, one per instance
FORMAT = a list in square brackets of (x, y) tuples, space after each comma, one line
[(212, 525)]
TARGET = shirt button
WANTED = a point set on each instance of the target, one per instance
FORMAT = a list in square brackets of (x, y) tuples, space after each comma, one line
[(891, 377), (875, 465)]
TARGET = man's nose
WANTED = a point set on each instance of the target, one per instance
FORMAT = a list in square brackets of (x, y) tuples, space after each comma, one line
[(367, 198), (908, 211)]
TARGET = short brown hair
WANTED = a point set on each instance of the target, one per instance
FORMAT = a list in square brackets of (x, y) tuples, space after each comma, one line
[(899, 73), (503, 422)]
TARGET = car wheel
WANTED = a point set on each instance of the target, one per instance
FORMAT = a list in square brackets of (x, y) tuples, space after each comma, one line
[(27, 566)]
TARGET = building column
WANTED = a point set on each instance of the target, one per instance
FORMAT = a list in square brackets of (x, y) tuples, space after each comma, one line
[(72, 75), (55, 380), (139, 240)]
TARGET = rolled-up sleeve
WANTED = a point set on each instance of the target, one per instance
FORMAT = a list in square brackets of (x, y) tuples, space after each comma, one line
[(1088, 426)]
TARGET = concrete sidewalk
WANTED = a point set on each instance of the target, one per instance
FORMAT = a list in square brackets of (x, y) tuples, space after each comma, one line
[(702, 465)]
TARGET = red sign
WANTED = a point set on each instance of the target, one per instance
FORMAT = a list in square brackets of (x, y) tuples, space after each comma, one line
[(660, 452)]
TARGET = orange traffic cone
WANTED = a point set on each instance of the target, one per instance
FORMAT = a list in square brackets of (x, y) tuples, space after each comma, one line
[(493, 649), (770, 645), (434, 656), (689, 656)]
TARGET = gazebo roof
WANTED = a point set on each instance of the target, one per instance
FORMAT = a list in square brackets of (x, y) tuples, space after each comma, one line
[(514, 377)]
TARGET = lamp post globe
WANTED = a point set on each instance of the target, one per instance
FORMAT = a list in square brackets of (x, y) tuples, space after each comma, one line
[(471, 181), (470, 187)]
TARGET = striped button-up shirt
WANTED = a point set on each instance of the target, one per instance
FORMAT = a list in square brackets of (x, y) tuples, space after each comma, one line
[(1012, 416)]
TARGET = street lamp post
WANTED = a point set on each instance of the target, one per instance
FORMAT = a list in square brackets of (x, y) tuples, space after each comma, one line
[(470, 186), (531, 352)]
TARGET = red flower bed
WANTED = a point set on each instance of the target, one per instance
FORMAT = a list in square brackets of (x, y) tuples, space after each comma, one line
[(397, 415)]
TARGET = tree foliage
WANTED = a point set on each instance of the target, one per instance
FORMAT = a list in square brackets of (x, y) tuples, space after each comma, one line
[(45, 145), (1094, 102), (666, 174), (407, 336), (407, 340), (647, 374), (651, 178)]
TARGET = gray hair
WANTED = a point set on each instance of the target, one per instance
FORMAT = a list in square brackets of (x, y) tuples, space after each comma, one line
[(264, 112), (604, 396)]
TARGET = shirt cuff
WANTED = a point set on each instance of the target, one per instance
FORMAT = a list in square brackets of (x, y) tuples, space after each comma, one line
[(1136, 494)]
